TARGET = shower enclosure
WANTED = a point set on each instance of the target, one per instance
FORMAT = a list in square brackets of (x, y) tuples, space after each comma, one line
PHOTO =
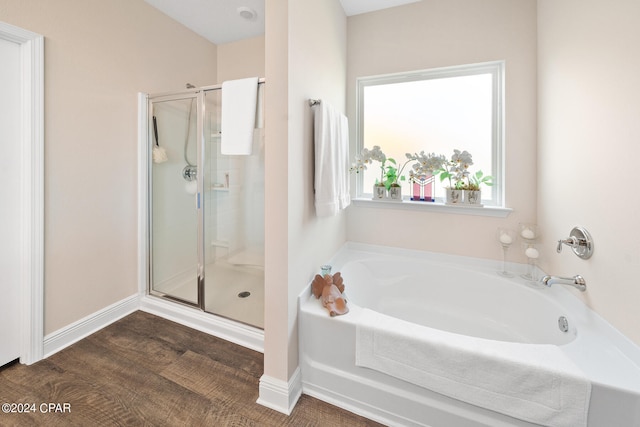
[(206, 209)]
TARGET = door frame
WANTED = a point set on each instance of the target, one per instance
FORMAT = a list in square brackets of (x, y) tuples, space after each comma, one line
[(144, 113), (31, 188)]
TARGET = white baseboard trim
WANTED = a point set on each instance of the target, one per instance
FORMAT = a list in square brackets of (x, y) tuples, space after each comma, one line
[(76, 331), (280, 395), (244, 335), (238, 333)]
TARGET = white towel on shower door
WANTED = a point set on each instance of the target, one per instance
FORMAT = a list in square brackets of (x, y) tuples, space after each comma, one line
[(531, 382), (238, 115), (331, 148)]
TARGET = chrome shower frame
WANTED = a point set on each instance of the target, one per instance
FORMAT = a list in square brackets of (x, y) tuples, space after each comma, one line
[(175, 309), (189, 174)]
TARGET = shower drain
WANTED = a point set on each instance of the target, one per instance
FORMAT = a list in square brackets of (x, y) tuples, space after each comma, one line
[(244, 294)]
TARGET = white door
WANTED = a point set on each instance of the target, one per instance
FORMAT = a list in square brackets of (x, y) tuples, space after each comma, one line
[(10, 202)]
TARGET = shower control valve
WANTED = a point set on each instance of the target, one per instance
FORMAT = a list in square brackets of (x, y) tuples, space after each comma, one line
[(579, 241), (189, 173)]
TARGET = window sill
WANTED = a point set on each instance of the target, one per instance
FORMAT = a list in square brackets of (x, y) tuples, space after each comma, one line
[(492, 211)]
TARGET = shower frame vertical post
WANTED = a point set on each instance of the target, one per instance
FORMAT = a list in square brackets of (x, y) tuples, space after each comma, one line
[(201, 158)]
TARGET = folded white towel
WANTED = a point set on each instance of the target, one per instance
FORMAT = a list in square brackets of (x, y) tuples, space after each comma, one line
[(535, 383), (331, 142), (238, 115)]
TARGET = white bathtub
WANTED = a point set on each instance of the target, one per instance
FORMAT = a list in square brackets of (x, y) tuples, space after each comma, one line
[(460, 296)]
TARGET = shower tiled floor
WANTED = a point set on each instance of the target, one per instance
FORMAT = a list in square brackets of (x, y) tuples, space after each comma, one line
[(226, 288)]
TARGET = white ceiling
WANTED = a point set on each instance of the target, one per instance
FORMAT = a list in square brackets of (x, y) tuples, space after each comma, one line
[(356, 7), (219, 21)]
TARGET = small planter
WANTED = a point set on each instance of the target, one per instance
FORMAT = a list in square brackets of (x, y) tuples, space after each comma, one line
[(379, 192), (454, 197), (395, 193), (473, 197)]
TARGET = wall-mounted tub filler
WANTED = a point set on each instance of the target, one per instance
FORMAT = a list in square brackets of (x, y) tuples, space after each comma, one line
[(579, 241), (576, 281)]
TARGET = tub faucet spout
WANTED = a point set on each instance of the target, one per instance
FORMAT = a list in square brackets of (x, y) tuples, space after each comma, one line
[(576, 281)]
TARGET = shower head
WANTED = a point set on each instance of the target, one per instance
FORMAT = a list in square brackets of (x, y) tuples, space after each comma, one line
[(190, 86)]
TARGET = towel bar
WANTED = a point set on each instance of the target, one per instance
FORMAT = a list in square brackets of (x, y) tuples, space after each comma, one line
[(313, 102)]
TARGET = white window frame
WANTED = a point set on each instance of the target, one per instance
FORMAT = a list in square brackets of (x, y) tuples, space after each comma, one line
[(496, 69)]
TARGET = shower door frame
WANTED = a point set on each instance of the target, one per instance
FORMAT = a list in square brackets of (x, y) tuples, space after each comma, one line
[(186, 314), (198, 95)]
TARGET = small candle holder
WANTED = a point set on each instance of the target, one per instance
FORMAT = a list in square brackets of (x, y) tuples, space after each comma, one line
[(506, 237), (325, 269), (528, 231), (532, 255)]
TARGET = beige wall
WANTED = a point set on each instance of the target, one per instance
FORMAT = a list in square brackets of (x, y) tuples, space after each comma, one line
[(98, 56), (318, 51), (241, 59), (301, 64), (276, 188), (437, 33), (589, 140)]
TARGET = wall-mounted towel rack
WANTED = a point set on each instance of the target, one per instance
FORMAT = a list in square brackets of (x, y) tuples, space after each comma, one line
[(313, 102)]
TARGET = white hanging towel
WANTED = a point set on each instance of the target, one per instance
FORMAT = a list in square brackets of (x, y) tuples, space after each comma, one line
[(331, 139), (238, 115)]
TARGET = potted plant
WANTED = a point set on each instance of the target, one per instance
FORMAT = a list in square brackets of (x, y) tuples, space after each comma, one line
[(456, 170), (472, 190), (394, 190), (392, 174), (387, 186), (366, 157)]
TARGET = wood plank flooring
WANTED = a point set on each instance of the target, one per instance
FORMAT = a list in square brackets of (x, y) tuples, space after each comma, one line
[(147, 371)]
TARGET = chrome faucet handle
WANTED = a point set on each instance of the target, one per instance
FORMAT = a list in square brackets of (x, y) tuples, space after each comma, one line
[(579, 241), (571, 242)]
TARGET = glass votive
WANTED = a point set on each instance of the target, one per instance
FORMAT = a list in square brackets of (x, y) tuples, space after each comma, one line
[(506, 236), (528, 231), (325, 269), (532, 255)]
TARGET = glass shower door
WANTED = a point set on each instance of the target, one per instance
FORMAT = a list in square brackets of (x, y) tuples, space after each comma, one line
[(174, 213), (233, 192), (207, 222)]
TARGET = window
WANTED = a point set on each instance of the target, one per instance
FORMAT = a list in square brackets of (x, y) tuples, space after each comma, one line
[(436, 110)]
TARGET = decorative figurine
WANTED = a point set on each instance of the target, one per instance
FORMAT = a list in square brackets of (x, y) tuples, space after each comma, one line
[(330, 288)]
